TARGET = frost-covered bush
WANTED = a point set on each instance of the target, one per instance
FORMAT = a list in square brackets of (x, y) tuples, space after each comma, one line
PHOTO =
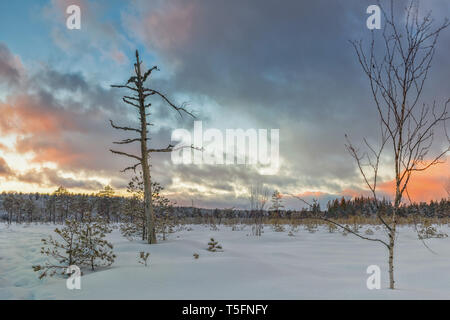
[(78, 243), (428, 232), (345, 231), (143, 257), (355, 227), (97, 251), (278, 228), (331, 228), (63, 251), (311, 227)]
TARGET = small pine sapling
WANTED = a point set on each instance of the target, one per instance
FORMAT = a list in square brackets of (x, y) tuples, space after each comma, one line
[(97, 251), (63, 252), (214, 246), (80, 244)]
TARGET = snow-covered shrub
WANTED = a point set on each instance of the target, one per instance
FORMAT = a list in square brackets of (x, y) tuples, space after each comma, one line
[(355, 228), (79, 243), (311, 227), (294, 229), (331, 228), (130, 230), (63, 251), (278, 228), (238, 227), (97, 251), (214, 246), (143, 257), (257, 229), (344, 231), (430, 232), (369, 232)]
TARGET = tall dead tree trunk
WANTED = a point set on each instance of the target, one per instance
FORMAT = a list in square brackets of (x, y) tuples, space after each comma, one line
[(138, 99)]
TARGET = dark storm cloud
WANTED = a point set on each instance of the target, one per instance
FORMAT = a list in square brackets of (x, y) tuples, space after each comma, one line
[(49, 178), (286, 65), (10, 67)]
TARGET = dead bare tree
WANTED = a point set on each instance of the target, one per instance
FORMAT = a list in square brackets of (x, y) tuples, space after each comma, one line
[(408, 126), (138, 100)]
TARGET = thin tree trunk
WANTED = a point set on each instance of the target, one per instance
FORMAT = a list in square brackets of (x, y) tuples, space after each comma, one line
[(391, 260), (148, 210)]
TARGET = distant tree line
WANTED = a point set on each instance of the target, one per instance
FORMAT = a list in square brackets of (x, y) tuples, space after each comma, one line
[(365, 206), (61, 205)]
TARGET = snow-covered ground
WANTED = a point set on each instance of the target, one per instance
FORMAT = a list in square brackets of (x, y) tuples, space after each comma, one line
[(319, 265)]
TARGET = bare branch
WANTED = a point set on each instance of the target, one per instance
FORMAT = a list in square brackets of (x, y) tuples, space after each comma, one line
[(124, 128), (131, 167), (126, 154), (126, 141), (149, 71), (178, 109)]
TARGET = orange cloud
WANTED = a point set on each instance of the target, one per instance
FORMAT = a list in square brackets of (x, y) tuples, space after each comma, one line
[(311, 194), (25, 114), (424, 185), (353, 193), (50, 131)]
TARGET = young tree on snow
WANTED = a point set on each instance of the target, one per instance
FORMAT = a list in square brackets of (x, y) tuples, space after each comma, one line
[(397, 79), (63, 202), (139, 100), (136, 226), (277, 202), (63, 251), (96, 250), (408, 126), (105, 202), (79, 243), (259, 194)]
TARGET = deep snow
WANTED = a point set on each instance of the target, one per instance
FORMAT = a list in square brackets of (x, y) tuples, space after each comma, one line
[(319, 265)]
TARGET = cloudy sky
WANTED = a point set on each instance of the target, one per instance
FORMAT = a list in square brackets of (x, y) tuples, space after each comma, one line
[(262, 64)]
